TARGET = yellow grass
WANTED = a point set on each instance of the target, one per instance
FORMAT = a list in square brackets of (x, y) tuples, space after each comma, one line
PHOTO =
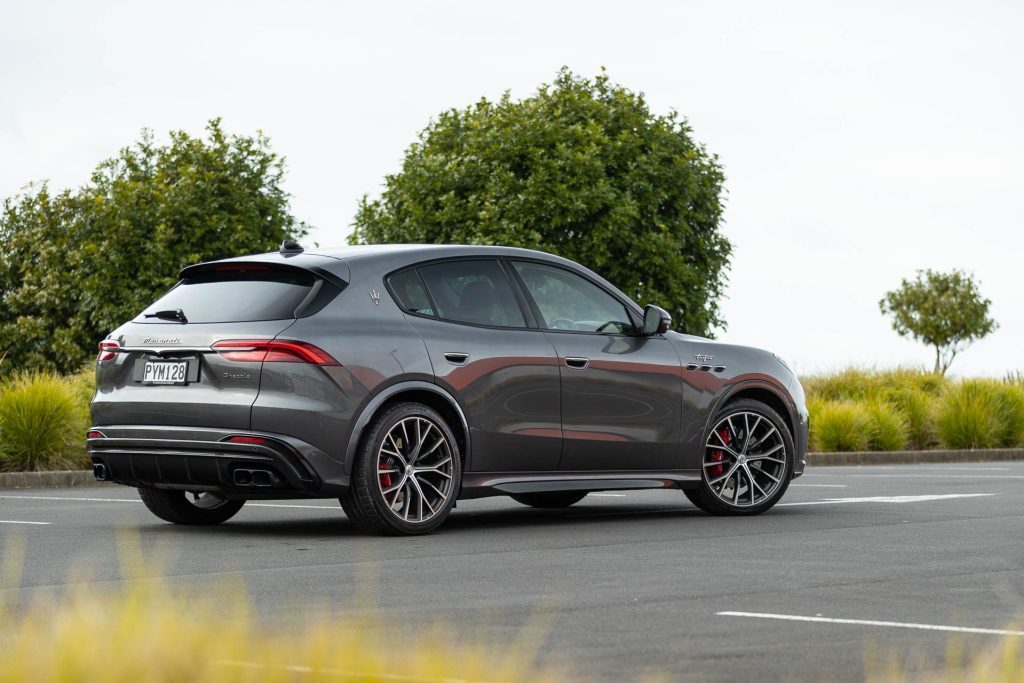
[(1002, 663)]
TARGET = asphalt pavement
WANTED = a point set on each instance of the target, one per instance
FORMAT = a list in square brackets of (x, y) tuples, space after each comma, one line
[(855, 564)]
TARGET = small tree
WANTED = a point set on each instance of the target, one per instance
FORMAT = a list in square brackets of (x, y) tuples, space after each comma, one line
[(943, 310), (76, 264), (583, 169)]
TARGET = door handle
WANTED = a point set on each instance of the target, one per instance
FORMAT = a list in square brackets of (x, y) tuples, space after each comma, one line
[(577, 363), (455, 357)]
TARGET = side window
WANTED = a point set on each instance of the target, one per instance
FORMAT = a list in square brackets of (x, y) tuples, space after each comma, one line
[(410, 293), (570, 302), (473, 292)]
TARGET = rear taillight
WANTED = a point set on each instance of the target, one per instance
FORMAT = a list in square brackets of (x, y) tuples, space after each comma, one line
[(109, 348), (94, 434), (273, 351)]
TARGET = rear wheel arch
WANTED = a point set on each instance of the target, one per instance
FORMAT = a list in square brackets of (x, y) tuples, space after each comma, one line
[(418, 392)]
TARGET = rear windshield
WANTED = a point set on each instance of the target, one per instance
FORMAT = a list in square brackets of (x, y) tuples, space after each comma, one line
[(236, 297)]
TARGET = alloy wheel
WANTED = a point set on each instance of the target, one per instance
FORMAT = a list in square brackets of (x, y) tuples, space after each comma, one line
[(414, 470), (744, 459)]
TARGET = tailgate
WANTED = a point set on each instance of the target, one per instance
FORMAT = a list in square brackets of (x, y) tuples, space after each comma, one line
[(188, 383)]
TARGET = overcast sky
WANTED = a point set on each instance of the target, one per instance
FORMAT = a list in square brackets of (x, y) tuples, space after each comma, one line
[(861, 141)]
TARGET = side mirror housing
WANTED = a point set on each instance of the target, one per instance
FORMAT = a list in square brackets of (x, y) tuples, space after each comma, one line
[(656, 320)]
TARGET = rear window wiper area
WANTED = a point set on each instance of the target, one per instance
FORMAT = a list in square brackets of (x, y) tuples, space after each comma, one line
[(176, 314)]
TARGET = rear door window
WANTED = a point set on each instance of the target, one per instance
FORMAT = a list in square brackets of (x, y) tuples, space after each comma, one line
[(237, 296), (474, 292)]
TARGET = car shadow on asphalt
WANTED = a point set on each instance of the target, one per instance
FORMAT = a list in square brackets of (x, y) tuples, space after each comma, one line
[(468, 521)]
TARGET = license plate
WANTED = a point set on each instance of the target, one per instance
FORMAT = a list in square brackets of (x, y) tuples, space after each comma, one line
[(165, 372)]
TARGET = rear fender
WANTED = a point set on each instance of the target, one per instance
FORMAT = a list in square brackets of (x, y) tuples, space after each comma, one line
[(370, 411)]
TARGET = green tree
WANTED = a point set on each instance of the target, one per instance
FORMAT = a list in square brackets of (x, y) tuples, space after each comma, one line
[(583, 169), (943, 310), (77, 264)]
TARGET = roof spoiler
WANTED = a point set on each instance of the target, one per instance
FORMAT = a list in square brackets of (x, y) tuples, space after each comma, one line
[(256, 266)]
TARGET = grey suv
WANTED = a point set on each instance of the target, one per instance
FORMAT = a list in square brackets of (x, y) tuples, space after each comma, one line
[(402, 378)]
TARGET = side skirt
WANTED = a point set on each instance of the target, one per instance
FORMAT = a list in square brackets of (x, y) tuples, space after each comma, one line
[(482, 484)]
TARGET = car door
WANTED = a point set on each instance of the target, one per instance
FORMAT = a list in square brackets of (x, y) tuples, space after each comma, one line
[(504, 373), (622, 394)]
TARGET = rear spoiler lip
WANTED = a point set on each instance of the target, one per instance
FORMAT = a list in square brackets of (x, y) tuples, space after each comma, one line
[(317, 270)]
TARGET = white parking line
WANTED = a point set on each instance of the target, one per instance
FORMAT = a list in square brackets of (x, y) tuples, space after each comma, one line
[(90, 500), (289, 505), (887, 499), (609, 495), (15, 521), (823, 486), (871, 622), (916, 476), (83, 499)]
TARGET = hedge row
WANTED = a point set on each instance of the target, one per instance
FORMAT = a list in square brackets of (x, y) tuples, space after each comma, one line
[(862, 410)]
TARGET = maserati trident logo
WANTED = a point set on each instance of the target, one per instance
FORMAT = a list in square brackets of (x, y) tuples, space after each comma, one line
[(375, 297), (703, 357), (161, 340)]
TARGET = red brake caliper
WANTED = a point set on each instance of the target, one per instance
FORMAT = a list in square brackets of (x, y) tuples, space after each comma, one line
[(719, 470), (385, 478)]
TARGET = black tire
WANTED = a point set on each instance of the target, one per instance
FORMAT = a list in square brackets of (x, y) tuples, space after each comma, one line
[(552, 499), (364, 503), (175, 506), (704, 496)]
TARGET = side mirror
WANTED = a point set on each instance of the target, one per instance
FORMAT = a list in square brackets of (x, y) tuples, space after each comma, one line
[(656, 320)]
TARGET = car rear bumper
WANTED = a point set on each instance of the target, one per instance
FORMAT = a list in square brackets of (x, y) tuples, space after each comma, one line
[(204, 459)]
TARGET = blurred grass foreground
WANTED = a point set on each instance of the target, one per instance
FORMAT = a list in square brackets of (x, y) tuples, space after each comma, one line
[(147, 632)]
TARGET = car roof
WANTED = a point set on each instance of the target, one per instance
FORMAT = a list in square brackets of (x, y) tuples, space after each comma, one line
[(417, 252), (385, 258)]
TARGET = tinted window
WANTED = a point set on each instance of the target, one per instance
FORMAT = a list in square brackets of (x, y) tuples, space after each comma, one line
[(409, 291), (570, 302), (473, 292), (235, 297)]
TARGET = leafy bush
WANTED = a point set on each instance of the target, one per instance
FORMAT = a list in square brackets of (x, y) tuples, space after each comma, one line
[(887, 428), (581, 168), (839, 426), (42, 423), (78, 263), (969, 415)]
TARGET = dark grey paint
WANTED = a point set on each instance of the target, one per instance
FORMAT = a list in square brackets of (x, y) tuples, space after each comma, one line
[(524, 415)]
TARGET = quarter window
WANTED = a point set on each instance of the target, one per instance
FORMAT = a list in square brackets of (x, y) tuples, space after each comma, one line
[(473, 292), (408, 289), (568, 301)]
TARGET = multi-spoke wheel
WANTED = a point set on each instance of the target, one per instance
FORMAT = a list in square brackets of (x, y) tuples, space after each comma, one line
[(180, 507), (407, 473), (747, 462)]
